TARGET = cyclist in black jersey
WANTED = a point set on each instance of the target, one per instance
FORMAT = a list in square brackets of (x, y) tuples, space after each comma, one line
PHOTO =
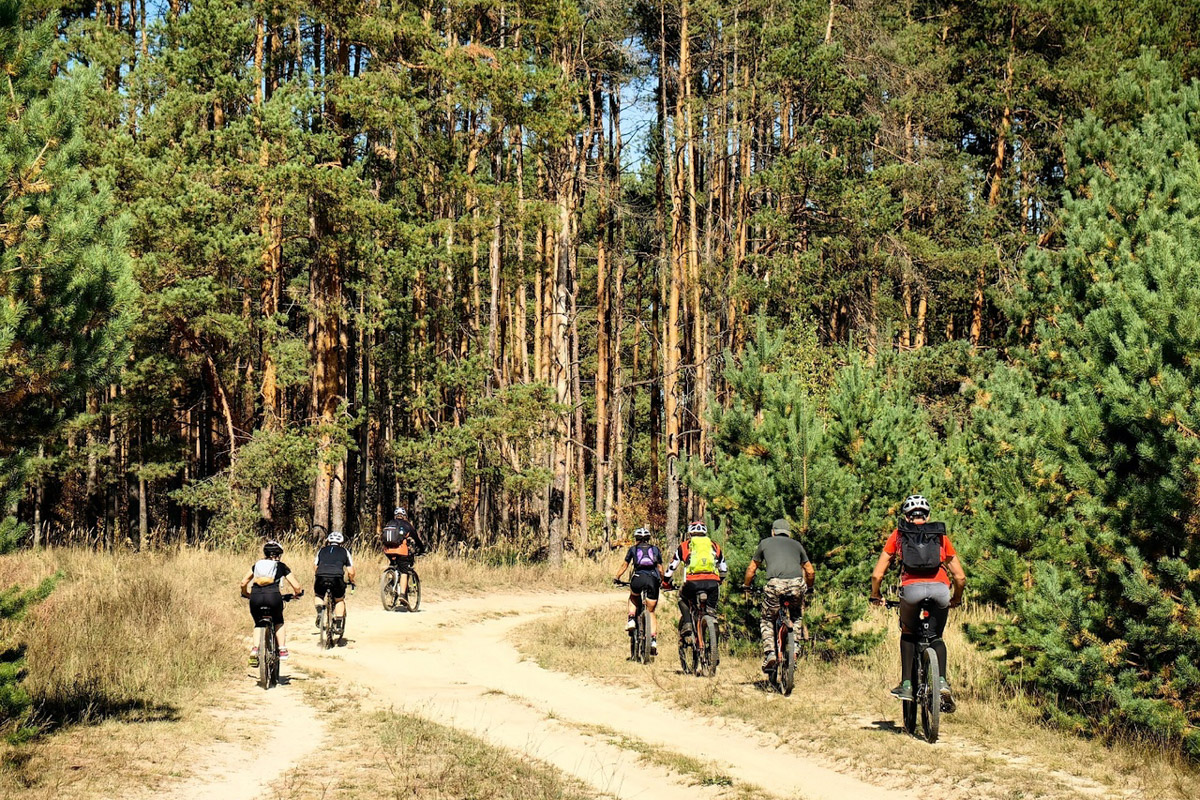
[(261, 585), (334, 569)]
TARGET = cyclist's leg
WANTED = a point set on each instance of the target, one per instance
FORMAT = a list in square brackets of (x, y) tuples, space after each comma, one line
[(338, 589), (939, 593), (405, 564), (766, 622), (687, 594), (910, 608), (652, 604)]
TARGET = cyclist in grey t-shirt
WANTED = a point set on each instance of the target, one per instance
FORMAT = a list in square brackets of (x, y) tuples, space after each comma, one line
[(789, 573)]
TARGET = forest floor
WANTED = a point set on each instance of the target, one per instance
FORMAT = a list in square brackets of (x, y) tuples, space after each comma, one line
[(522, 695)]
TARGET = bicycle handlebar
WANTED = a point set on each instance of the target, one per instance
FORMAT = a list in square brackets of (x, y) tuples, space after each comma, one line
[(617, 582)]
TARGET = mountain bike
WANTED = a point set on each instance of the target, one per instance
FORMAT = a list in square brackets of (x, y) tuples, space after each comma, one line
[(788, 645), (927, 694), (699, 645), (268, 645), (640, 636), (329, 633), (389, 588)]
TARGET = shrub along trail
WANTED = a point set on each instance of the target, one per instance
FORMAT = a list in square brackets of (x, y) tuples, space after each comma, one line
[(452, 663)]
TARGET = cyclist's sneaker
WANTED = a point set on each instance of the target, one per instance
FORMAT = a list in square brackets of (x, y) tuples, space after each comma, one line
[(283, 654), (948, 704), (630, 623), (254, 656), (318, 618), (769, 663), (903, 691), (339, 626), (654, 646)]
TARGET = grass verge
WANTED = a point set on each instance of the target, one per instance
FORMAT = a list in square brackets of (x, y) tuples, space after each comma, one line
[(698, 772), (384, 754), (994, 747)]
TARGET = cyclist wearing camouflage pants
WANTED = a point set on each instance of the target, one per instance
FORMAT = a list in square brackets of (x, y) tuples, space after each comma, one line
[(790, 573)]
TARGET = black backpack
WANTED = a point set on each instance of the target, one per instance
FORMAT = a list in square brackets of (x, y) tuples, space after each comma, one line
[(393, 535), (921, 547)]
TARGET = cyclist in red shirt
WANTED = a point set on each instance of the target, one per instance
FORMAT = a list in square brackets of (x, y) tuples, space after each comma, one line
[(917, 586)]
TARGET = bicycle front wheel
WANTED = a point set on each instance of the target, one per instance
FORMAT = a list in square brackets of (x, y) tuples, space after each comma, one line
[(930, 697), (414, 591), (787, 663), (389, 589)]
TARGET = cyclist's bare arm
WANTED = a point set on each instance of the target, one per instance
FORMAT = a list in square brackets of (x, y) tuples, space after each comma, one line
[(958, 577), (246, 583), (881, 568), (751, 568), (296, 588), (621, 571)]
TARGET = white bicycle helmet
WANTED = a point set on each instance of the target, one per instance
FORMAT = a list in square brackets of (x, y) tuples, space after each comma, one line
[(399, 512), (335, 538), (697, 527), (641, 533), (914, 503)]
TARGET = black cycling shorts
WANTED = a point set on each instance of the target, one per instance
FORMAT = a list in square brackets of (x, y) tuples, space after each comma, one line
[(400, 562), (648, 581), (332, 584), (266, 604)]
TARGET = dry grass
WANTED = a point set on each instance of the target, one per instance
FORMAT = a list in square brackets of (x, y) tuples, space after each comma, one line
[(126, 648), (458, 576), (994, 747), (123, 633), (383, 754)]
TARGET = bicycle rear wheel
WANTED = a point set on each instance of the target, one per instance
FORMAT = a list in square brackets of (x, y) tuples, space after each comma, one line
[(389, 589), (327, 622), (644, 630), (264, 663), (711, 646), (414, 591), (930, 696), (787, 663)]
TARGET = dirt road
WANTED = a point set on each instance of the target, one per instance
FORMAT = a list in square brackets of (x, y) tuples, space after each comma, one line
[(453, 663)]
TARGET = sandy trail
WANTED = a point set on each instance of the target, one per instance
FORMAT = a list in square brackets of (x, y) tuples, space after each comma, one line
[(452, 663), (258, 755)]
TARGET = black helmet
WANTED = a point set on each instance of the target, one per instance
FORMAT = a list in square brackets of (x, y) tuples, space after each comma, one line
[(272, 549)]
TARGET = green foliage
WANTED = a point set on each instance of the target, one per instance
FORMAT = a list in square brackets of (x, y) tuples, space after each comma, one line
[(836, 465), (65, 285), (1097, 426)]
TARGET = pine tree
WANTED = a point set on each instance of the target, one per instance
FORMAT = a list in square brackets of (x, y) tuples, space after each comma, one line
[(65, 286), (1110, 626), (835, 461)]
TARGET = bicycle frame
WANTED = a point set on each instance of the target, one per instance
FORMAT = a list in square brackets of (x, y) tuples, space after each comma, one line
[(639, 643)]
